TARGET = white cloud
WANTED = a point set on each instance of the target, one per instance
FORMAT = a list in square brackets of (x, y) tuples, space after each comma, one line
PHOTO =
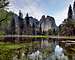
[(34, 9), (60, 16)]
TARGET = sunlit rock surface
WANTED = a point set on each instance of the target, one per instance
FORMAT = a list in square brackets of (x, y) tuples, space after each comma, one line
[(47, 23)]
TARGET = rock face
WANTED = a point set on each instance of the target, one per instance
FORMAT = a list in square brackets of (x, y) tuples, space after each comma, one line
[(19, 23), (47, 23), (30, 25), (34, 25)]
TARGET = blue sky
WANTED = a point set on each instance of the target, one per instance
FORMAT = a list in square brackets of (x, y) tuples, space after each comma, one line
[(36, 8)]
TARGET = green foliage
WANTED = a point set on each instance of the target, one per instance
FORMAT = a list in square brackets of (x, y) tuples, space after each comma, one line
[(7, 50), (5, 16), (12, 26), (46, 52), (70, 14), (67, 28), (5, 19), (2, 33), (50, 32), (3, 3)]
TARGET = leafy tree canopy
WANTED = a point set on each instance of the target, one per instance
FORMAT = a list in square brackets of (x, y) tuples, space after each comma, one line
[(3, 3)]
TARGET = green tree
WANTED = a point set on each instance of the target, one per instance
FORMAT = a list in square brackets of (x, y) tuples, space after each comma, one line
[(21, 22), (70, 14), (27, 19), (50, 32), (3, 3), (33, 27), (5, 18), (68, 28), (12, 26)]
